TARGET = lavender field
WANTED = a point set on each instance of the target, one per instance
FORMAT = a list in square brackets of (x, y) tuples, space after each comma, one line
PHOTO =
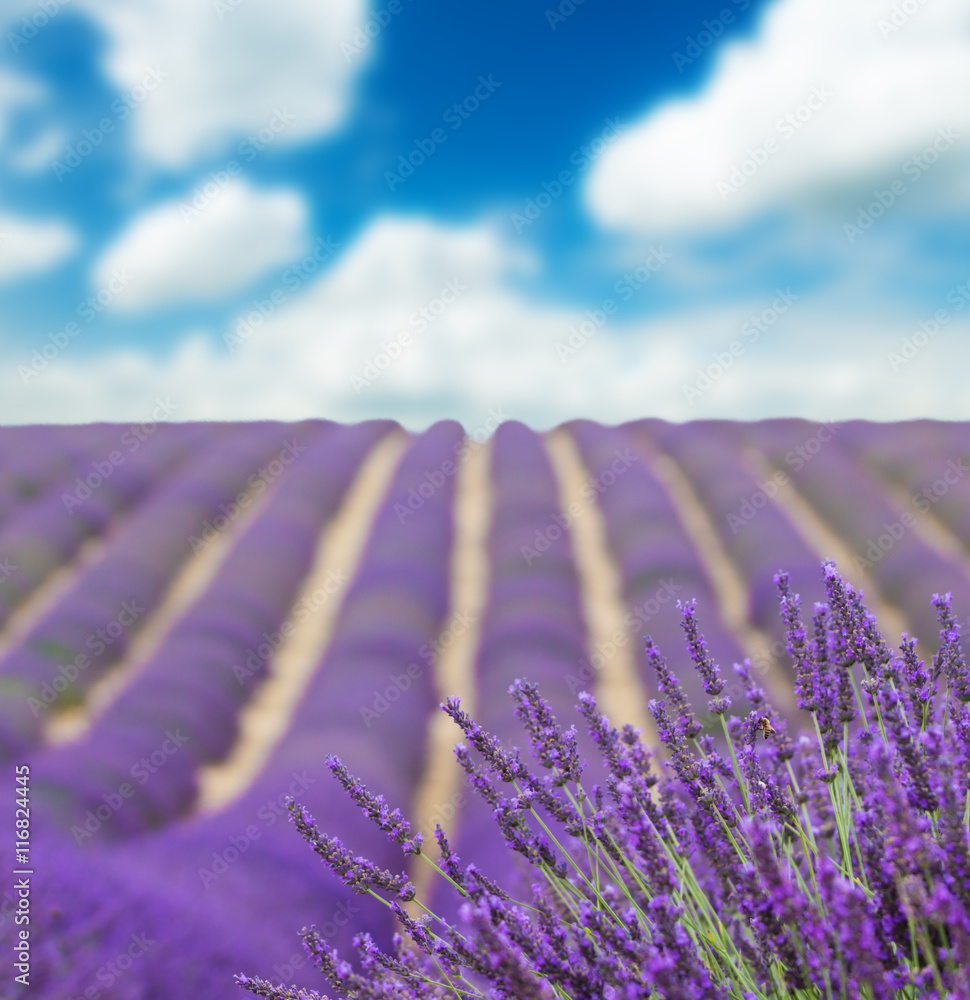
[(192, 616)]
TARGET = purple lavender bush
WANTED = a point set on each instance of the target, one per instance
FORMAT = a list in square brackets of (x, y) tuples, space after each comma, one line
[(756, 535), (56, 662), (828, 866), (653, 553), (177, 881), (532, 621)]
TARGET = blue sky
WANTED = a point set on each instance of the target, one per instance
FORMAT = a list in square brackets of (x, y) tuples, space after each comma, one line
[(611, 210)]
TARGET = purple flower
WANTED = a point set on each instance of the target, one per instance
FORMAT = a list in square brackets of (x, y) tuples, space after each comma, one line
[(706, 667), (950, 660), (391, 821), (833, 865)]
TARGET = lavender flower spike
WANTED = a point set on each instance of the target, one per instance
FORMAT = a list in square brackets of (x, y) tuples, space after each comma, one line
[(356, 873), (552, 747), (708, 669), (797, 644), (812, 870), (392, 822), (671, 690), (263, 988), (950, 659)]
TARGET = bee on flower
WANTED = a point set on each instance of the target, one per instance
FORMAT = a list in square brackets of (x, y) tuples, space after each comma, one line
[(764, 724)]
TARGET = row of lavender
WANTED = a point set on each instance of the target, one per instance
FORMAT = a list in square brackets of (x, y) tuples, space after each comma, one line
[(37, 537), (246, 860), (195, 682), (206, 913), (689, 449), (884, 491), (636, 509), (886, 529), (643, 526), (392, 613), (69, 647)]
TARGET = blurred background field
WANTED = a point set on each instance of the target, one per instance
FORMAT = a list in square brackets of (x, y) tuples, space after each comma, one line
[(194, 615)]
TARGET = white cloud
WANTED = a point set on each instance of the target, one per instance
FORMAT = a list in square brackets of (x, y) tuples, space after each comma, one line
[(28, 246), (206, 246), (491, 349), (37, 153), (228, 67), (883, 84), (15, 91)]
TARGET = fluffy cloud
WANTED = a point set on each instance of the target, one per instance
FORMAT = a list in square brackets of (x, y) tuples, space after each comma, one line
[(829, 99), (203, 247), (37, 153), (227, 67), (418, 320), (15, 92), (28, 246)]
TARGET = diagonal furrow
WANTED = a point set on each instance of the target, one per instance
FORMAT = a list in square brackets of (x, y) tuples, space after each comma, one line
[(658, 561), (743, 539), (265, 719), (618, 689), (827, 543), (370, 700), (532, 627), (729, 587), (924, 466), (48, 533), (442, 792), (876, 544), (195, 681), (114, 610)]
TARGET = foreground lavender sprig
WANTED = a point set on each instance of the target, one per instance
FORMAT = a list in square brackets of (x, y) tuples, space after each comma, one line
[(391, 821), (706, 667), (760, 866)]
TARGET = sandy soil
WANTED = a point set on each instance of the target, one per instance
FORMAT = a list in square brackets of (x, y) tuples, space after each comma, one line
[(618, 690), (266, 717), (455, 664)]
